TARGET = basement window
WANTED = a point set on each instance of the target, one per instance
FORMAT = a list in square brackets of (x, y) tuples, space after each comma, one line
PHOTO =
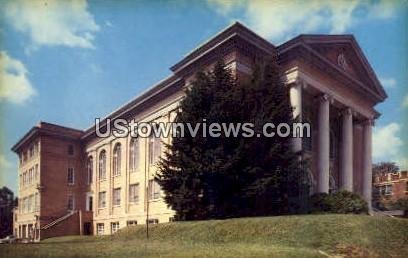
[(131, 223), (153, 221), (114, 227), (100, 229)]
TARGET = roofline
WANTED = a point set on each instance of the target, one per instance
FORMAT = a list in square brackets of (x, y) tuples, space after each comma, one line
[(35, 130), (231, 31), (140, 99), (303, 39)]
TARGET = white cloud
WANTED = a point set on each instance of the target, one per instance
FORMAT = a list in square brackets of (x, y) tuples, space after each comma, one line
[(14, 84), (388, 82), (53, 22), (387, 143), (405, 101), (4, 163), (279, 20)]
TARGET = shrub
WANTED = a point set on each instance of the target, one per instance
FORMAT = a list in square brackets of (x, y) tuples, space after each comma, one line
[(402, 204), (320, 203), (340, 202)]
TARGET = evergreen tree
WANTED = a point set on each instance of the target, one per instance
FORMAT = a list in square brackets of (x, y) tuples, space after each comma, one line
[(276, 180), (220, 177)]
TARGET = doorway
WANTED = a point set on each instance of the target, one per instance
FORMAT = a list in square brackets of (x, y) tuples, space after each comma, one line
[(87, 228)]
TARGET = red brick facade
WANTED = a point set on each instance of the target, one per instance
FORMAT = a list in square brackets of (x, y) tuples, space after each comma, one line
[(389, 187)]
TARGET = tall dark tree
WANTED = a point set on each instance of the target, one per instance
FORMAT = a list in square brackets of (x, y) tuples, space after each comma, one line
[(276, 183), (219, 177)]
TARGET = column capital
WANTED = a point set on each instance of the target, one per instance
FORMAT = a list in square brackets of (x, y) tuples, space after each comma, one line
[(369, 121), (347, 111), (299, 83), (324, 97)]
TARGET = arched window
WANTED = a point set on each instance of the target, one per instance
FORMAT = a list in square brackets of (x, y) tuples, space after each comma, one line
[(116, 159), (89, 170), (102, 165), (133, 154)]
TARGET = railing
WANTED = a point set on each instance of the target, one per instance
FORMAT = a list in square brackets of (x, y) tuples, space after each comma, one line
[(53, 223)]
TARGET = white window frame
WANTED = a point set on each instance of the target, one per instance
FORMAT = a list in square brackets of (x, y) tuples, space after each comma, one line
[(133, 154), (134, 199), (117, 155), (154, 190), (102, 201), (116, 198), (100, 229), (115, 226), (102, 165)]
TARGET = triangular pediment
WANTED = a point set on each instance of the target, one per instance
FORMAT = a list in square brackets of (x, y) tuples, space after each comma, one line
[(343, 52)]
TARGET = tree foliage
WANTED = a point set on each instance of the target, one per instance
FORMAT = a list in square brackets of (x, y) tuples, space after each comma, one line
[(220, 177)]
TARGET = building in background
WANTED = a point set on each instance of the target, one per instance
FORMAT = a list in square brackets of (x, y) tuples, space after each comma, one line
[(7, 204), (390, 187), (72, 181), (52, 186)]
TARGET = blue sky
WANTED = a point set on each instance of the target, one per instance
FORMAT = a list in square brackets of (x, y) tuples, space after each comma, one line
[(68, 62)]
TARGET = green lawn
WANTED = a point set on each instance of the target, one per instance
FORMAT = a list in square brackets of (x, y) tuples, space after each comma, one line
[(285, 236)]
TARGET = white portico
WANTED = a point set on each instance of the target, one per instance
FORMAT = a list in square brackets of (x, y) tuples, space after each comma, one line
[(334, 89)]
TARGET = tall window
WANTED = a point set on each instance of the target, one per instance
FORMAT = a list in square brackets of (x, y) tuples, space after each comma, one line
[(71, 176), (71, 204), (133, 154), (154, 190), (154, 149), (36, 173), (102, 199), (102, 165), (114, 227), (89, 169), (116, 159), (116, 196), (134, 193)]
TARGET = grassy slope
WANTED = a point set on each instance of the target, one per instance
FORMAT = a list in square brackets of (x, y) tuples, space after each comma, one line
[(286, 236)]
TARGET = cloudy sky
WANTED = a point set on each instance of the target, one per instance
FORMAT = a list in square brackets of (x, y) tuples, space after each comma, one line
[(68, 62)]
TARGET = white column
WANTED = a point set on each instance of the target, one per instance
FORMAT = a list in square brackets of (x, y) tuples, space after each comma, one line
[(346, 165), (295, 93), (367, 162), (323, 144)]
